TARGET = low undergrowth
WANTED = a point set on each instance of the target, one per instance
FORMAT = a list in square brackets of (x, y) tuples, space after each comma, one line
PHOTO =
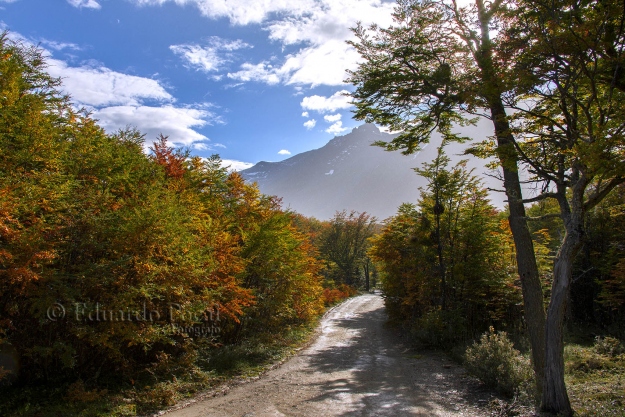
[(160, 387), (595, 378), (496, 362), (595, 375)]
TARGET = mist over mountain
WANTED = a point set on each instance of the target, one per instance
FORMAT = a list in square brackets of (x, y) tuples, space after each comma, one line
[(350, 174)]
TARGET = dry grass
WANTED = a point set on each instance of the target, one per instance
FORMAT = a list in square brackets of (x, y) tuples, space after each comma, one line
[(595, 381)]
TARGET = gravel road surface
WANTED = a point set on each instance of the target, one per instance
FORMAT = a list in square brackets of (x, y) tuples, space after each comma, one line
[(355, 367)]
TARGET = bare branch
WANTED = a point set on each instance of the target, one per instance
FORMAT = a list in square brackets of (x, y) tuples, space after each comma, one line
[(600, 194), (495, 190), (583, 273), (544, 217), (540, 197)]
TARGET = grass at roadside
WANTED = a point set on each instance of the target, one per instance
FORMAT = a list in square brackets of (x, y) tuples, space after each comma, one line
[(594, 373), (158, 389), (595, 381)]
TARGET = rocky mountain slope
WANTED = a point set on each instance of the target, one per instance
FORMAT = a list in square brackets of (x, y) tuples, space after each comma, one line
[(347, 174)]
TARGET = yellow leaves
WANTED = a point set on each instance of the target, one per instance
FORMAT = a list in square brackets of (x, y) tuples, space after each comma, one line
[(42, 257), (98, 222)]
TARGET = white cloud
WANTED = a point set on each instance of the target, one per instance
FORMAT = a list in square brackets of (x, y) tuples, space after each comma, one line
[(235, 165), (205, 59), (321, 27), (324, 30), (330, 118), (305, 114), (208, 58), (321, 65), (310, 124), (329, 20), (241, 12), (284, 152), (316, 65), (201, 146), (40, 43), (59, 46), (8, 1), (90, 4), (101, 86), (336, 128), (118, 100), (175, 122), (322, 104), (262, 72)]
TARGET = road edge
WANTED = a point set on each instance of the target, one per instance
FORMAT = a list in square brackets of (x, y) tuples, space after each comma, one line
[(223, 387)]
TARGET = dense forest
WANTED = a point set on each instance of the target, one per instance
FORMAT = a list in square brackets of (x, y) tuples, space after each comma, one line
[(127, 264), (133, 273)]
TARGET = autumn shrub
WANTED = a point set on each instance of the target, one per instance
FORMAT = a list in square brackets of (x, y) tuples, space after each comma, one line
[(477, 288), (609, 346), (154, 398), (498, 364), (332, 296), (77, 392)]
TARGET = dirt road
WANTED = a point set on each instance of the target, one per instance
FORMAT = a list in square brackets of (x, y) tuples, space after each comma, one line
[(356, 367)]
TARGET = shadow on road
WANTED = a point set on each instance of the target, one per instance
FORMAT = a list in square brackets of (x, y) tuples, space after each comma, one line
[(370, 372)]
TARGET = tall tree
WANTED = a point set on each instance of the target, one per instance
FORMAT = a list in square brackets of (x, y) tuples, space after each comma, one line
[(437, 65), (570, 126)]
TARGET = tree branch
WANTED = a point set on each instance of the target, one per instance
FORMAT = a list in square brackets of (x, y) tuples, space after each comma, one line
[(599, 195), (540, 197), (544, 217)]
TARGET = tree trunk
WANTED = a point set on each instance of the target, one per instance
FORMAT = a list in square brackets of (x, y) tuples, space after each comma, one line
[(554, 396), (534, 310), (531, 287)]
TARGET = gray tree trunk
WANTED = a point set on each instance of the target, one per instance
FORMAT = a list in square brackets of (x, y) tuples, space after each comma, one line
[(531, 287), (554, 396), (534, 310), (555, 399)]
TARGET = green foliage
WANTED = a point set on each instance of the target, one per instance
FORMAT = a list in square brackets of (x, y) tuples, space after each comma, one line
[(598, 289), (448, 265), (414, 75), (344, 243), (558, 65), (496, 362)]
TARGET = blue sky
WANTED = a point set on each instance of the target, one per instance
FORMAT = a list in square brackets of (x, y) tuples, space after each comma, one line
[(249, 80)]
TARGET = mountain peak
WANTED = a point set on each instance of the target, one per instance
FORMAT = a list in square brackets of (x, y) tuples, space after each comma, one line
[(347, 174)]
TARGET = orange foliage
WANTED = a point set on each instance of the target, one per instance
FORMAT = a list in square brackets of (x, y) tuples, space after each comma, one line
[(334, 295), (85, 222), (168, 158)]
